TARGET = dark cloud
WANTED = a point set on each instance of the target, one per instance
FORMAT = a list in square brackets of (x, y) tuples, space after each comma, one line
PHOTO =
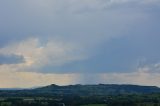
[(11, 59), (114, 34)]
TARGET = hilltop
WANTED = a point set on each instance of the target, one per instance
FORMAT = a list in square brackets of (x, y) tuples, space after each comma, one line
[(100, 89), (82, 90)]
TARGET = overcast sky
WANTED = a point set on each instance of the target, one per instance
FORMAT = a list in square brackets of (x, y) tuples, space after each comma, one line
[(79, 42)]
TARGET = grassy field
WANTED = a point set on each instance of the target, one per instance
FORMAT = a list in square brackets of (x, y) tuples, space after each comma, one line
[(95, 105)]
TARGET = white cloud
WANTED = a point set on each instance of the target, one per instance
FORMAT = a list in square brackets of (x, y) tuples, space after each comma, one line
[(14, 79), (145, 75), (37, 55), (139, 77)]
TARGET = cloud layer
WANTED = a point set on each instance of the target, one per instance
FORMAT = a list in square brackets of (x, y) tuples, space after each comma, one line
[(109, 41), (33, 55), (30, 79), (11, 59)]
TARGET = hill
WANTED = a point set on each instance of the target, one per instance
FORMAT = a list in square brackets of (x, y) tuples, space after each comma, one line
[(82, 90), (100, 89)]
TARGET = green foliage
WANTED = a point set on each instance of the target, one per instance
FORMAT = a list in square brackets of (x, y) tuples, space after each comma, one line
[(83, 95), (6, 104), (96, 100)]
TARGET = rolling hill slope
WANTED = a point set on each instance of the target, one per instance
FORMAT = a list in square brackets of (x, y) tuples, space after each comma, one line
[(82, 90)]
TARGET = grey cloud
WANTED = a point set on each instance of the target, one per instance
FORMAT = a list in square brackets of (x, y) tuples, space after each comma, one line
[(11, 59), (88, 24), (151, 68), (77, 18)]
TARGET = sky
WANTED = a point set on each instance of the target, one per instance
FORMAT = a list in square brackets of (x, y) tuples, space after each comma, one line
[(66, 42)]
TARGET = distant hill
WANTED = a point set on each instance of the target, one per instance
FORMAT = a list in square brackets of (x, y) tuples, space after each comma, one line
[(82, 90), (100, 89)]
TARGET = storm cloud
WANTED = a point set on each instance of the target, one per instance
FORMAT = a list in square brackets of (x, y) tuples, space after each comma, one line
[(80, 37)]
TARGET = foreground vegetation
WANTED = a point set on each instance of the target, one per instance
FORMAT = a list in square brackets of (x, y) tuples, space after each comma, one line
[(75, 100), (83, 95), (94, 105)]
